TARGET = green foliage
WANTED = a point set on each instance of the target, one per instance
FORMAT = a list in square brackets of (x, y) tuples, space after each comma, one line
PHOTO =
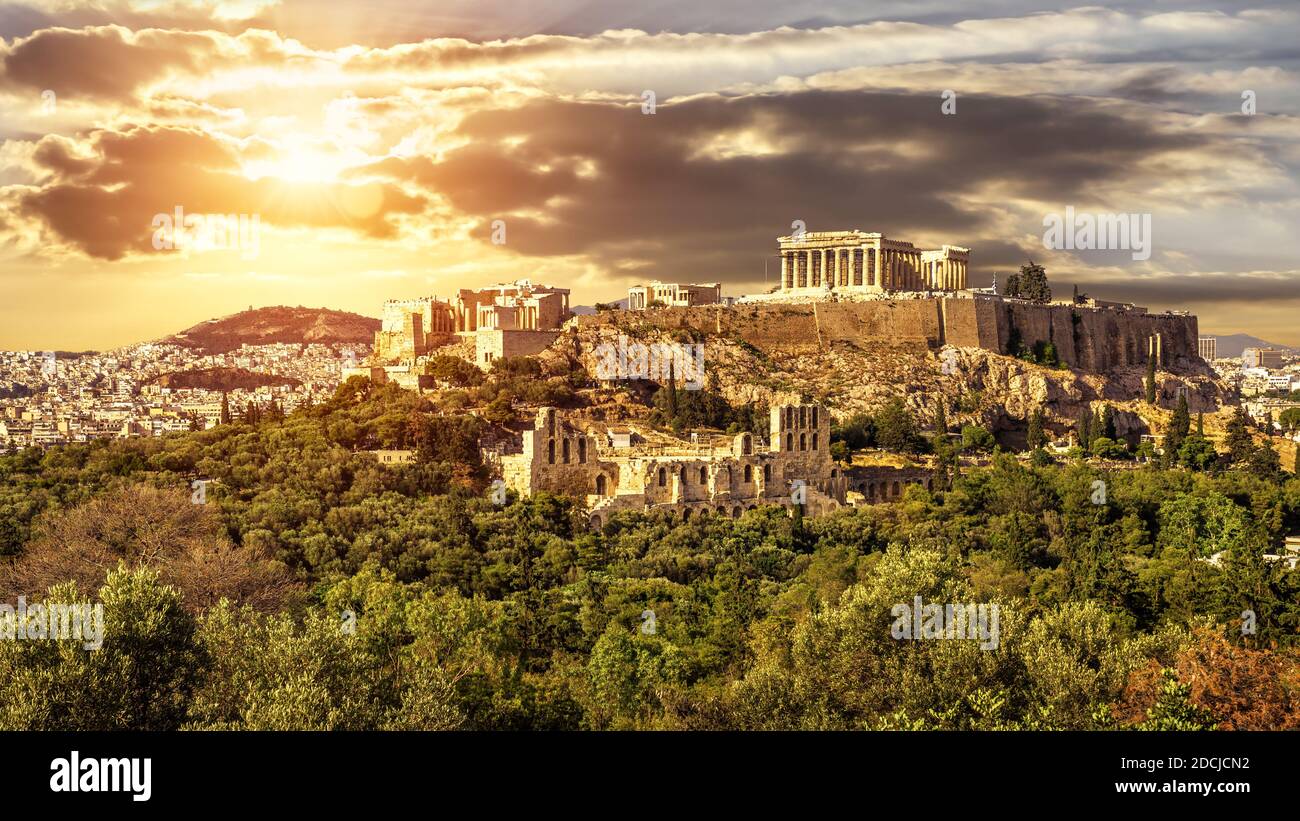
[(1197, 453), (1289, 420), (141, 678), (1033, 284), (1174, 710), (432, 608), (1037, 435), (454, 371), (682, 409), (1106, 448), (1240, 442), (856, 432), (896, 428), (1179, 427), (975, 438)]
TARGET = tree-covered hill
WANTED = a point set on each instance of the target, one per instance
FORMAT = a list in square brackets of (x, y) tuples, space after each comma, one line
[(313, 587)]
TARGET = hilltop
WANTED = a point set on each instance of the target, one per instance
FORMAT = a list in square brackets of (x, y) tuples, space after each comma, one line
[(785, 353), (279, 324)]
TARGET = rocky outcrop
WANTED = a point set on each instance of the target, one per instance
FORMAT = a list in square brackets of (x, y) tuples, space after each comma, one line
[(770, 365)]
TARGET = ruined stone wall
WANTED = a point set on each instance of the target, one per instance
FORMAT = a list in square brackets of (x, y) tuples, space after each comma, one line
[(884, 483), (1092, 339), (559, 457), (493, 344)]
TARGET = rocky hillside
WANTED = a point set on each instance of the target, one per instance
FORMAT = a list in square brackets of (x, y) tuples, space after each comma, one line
[(265, 326), (979, 386)]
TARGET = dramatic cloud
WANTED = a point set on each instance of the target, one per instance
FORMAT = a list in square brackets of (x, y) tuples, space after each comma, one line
[(706, 184), (387, 137), (105, 204)]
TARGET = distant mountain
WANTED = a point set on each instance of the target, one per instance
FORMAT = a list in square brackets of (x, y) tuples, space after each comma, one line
[(583, 310), (1232, 345), (222, 379), (266, 326)]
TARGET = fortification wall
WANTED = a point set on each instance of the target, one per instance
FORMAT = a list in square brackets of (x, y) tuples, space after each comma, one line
[(1091, 339)]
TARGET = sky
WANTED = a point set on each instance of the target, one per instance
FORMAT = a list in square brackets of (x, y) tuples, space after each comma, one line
[(383, 149)]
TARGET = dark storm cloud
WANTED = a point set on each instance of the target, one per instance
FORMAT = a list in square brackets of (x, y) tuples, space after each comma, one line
[(628, 188)]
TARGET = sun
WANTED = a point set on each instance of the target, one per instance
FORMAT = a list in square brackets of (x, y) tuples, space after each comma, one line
[(302, 157), (298, 165)]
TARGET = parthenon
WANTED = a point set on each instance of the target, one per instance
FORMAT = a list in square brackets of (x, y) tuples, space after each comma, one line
[(818, 262)]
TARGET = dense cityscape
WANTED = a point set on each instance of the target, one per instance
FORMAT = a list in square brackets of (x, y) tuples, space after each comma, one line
[(59, 398)]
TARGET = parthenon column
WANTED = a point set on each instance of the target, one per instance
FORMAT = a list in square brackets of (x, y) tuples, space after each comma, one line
[(785, 270)]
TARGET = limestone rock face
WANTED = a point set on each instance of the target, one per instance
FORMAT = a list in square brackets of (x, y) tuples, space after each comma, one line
[(977, 385)]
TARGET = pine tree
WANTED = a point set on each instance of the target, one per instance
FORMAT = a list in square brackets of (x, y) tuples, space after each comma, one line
[(1264, 461), (1033, 283), (1012, 288)]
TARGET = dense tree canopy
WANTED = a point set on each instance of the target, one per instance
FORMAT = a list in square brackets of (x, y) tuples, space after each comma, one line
[(316, 588)]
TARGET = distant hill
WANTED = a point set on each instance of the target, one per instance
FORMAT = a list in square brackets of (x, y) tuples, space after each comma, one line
[(266, 326), (587, 310), (222, 379), (1232, 345)]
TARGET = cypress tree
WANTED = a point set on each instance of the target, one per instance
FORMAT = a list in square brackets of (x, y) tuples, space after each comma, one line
[(1239, 441), (1108, 423), (1036, 437), (1179, 426)]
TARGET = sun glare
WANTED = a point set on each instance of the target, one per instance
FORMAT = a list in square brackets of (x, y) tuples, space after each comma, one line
[(298, 166)]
